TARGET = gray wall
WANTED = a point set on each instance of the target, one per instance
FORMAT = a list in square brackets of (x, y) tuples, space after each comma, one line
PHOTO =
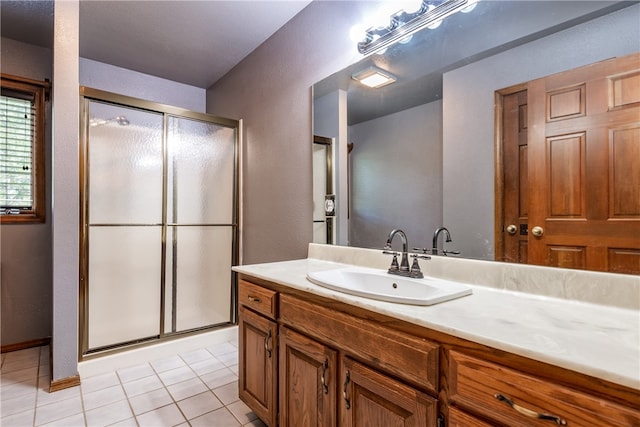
[(469, 100), (396, 177), (271, 91), (114, 79), (25, 249)]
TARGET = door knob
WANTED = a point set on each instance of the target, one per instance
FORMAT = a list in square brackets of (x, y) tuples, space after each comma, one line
[(537, 231), (511, 229)]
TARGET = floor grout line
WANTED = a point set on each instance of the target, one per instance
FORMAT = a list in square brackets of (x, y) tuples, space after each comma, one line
[(225, 360)]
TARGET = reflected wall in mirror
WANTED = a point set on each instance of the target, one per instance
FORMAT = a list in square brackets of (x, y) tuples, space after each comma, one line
[(423, 147)]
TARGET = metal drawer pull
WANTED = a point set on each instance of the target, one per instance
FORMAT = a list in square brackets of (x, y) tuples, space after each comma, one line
[(325, 386), (529, 413), (344, 391), (254, 299), (267, 344)]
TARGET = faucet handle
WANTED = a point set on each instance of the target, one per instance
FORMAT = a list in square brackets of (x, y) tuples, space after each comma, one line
[(423, 250), (450, 252), (415, 266), (395, 268)]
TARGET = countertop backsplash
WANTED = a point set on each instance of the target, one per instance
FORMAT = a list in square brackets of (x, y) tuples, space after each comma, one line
[(616, 290)]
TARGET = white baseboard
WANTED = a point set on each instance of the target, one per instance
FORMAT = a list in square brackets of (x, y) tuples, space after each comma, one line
[(113, 362)]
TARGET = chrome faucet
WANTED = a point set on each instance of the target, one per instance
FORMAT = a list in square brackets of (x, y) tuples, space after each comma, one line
[(404, 262), (403, 269), (434, 246)]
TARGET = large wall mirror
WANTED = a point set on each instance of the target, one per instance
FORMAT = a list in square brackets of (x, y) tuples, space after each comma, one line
[(419, 154)]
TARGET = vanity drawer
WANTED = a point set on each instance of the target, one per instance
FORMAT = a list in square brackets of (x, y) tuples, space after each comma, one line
[(257, 298), (491, 389), (410, 358)]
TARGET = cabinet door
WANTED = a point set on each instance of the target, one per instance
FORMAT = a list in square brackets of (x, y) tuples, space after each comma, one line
[(307, 382), (370, 398), (257, 379)]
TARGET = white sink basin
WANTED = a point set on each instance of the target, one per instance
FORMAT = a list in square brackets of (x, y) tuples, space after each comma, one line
[(380, 285)]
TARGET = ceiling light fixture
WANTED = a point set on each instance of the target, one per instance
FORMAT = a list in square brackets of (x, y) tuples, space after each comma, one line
[(404, 24), (374, 78)]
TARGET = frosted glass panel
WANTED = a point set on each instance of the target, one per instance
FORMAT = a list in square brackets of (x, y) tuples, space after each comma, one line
[(203, 276), (201, 171), (125, 165), (124, 284)]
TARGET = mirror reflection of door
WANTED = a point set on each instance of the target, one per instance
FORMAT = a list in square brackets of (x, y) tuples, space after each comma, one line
[(322, 190), (513, 224), (578, 145)]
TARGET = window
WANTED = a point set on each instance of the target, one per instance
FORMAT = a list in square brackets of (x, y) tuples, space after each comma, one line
[(22, 171)]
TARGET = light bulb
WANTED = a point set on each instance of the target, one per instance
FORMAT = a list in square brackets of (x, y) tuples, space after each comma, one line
[(357, 33), (382, 18), (410, 6)]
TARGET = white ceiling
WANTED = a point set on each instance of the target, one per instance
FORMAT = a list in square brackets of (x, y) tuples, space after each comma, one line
[(192, 42)]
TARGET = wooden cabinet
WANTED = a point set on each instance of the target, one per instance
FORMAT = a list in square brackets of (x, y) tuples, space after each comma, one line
[(309, 380), (370, 398), (338, 365), (308, 372), (257, 358), (517, 399)]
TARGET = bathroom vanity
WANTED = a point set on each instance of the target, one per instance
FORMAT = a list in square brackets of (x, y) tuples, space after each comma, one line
[(312, 356)]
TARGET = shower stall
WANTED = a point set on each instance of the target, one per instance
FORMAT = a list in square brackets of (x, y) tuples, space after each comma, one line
[(159, 222)]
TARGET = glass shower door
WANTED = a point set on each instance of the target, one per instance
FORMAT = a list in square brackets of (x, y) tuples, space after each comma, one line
[(159, 222), (124, 220), (200, 224)]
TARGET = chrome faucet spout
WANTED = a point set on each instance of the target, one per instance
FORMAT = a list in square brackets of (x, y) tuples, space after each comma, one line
[(404, 262), (436, 234)]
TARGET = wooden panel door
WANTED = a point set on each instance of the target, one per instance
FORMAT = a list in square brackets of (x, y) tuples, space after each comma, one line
[(258, 357), (307, 382), (584, 167), (370, 398), (512, 236)]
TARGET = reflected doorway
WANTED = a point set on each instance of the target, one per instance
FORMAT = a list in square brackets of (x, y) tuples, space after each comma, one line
[(323, 195), (568, 169)]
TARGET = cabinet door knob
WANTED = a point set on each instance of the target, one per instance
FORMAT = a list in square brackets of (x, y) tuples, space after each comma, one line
[(511, 229), (537, 231), (529, 413)]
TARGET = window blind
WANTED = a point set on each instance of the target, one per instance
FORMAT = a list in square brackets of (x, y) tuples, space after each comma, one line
[(17, 135)]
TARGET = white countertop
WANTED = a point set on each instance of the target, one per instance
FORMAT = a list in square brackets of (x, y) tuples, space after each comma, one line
[(597, 340)]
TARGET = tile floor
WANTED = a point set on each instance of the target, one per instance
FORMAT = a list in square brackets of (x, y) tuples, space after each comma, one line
[(198, 388)]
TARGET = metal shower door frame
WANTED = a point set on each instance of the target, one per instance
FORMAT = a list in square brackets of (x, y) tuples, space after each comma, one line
[(87, 95)]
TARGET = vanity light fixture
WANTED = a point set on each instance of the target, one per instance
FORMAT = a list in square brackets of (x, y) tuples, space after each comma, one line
[(374, 77), (404, 24)]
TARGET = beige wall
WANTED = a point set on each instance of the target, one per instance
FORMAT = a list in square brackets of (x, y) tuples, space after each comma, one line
[(271, 91)]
